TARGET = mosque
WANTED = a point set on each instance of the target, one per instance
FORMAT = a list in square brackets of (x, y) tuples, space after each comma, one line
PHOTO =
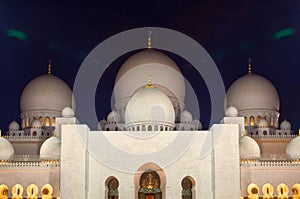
[(136, 152)]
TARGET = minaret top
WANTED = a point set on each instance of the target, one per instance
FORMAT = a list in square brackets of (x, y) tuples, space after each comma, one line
[(249, 65)]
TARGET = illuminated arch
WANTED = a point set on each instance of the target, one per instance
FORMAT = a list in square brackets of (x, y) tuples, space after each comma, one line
[(268, 191), (253, 191), (283, 191), (3, 191), (47, 121), (150, 167), (296, 191), (47, 191), (32, 191), (252, 121), (17, 191)]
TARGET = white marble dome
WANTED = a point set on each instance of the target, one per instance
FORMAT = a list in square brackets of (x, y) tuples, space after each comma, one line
[(186, 117), (45, 92), (114, 117), (198, 124), (164, 72), (151, 106), (231, 111), (67, 112), (249, 148), (253, 92), (262, 123), (285, 125), (13, 126), (6, 149), (292, 149), (101, 124), (50, 149), (36, 124)]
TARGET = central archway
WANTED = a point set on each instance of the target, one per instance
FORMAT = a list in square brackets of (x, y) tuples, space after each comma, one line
[(150, 186), (150, 182)]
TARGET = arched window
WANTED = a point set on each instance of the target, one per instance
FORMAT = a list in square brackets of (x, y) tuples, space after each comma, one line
[(27, 122), (155, 128), (34, 133), (245, 121), (107, 129), (187, 185), (252, 122), (149, 128), (116, 128), (41, 120), (138, 128), (257, 119), (166, 128), (112, 185), (143, 128), (47, 121), (149, 186), (53, 121)]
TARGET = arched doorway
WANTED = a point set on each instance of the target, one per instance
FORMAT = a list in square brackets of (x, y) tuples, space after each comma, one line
[(112, 185), (187, 185), (149, 186)]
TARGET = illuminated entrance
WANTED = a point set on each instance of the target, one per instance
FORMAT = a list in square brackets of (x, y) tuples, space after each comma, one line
[(150, 186)]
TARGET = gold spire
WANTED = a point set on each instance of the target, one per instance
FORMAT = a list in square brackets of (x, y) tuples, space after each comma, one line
[(249, 66), (149, 39), (49, 66), (149, 85), (54, 133)]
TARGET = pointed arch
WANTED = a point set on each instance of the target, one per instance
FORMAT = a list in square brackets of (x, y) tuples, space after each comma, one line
[(112, 188), (188, 188)]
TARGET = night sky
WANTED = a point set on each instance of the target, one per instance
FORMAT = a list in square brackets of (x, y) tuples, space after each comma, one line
[(231, 31)]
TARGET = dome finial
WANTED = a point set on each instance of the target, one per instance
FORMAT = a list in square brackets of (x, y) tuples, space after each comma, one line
[(249, 65), (49, 66), (149, 39), (149, 85)]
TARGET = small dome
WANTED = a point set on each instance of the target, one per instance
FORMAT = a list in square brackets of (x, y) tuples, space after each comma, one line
[(13, 126), (285, 125), (292, 149), (67, 112), (149, 105), (114, 117), (262, 123), (50, 149), (6, 149), (253, 92), (36, 124), (249, 149), (186, 117), (231, 111), (101, 124), (198, 124), (46, 92)]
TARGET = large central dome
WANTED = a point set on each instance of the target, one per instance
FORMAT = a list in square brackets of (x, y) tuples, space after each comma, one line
[(164, 72)]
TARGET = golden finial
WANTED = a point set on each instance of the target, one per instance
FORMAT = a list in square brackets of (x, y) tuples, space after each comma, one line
[(149, 39), (149, 85), (249, 65), (49, 66), (54, 133)]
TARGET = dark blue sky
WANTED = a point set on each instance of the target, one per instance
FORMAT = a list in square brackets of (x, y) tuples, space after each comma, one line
[(230, 31)]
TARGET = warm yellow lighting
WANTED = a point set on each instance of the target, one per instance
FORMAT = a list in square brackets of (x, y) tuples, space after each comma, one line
[(53, 121), (252, 122), (47, 121)]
